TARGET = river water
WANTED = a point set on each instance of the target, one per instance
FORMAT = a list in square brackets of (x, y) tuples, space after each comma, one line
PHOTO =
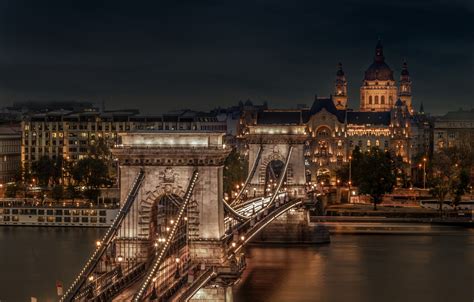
[(355, 268)]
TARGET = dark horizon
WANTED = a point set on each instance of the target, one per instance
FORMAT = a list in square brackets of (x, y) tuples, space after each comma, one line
[(166, 56)]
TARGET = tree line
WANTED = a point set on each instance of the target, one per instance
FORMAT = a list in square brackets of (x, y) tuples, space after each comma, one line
[(67, 179)]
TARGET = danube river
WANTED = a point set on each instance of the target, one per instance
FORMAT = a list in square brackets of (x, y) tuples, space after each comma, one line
[(355, 268)]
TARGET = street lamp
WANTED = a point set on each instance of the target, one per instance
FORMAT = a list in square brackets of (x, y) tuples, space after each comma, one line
[(350, 178), (424, 172), (350, 170)]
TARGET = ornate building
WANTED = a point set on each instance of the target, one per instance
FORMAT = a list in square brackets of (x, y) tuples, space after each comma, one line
[(378, 91), (385, 120)]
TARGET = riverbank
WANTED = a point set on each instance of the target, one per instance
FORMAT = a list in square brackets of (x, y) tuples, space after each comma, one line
[(382, 225)]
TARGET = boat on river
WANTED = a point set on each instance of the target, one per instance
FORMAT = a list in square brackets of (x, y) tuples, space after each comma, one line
[(31, 212)]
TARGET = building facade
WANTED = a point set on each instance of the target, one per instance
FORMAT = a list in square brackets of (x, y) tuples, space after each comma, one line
[(10, 151), (455, 128), (385, 120), (72, 134)]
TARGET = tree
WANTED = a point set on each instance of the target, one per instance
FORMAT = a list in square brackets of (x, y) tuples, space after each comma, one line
[(71, 192), (43, 170), (461, 187), (11, 190), (375, 175), (57, 193), (91, 173), (342, 173), (400, 168), (235, 170), (57, 172), (449, 174)]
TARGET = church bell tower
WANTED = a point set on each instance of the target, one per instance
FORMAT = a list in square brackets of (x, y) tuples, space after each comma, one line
[(340, 89), (404, 92)]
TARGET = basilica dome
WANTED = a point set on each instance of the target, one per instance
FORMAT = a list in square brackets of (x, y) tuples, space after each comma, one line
[(379, 70)]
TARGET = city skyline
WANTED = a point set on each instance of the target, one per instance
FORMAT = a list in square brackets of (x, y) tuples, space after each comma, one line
[(201, 56)]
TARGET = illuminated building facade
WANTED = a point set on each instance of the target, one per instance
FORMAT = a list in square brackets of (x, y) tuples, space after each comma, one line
[(70, 134), (10, 138), (385, 120)]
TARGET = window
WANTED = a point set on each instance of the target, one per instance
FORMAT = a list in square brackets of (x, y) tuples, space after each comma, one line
[(85, 219), (67, 219), (376, 100), (370, 100), (382, 99)]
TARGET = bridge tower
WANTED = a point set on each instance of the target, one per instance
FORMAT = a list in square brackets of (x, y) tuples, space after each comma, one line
[(168, 160), (269, 142)]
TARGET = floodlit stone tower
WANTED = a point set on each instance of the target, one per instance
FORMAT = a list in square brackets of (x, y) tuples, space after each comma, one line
[(405, 87), (340, 89), (378, 91)]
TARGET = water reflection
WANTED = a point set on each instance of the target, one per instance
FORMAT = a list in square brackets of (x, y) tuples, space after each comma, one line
[(352, 268), (363, 268)]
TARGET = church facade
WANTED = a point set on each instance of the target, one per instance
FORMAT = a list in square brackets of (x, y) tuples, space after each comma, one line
[(385, 119)]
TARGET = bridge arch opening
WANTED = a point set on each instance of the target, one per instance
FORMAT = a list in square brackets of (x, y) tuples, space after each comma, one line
[(163, 217), (273, 173)]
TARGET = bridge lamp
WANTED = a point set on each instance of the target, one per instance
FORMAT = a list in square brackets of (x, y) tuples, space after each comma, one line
[(242, 238), (233, 244), (91, 278), (177, 260), (172, 221), (156, 244), (242, 184), (98, 243), (185, 218), (167, 229), (119, 258)]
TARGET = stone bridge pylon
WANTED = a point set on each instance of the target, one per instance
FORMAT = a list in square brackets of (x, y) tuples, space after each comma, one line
[(269, 144)]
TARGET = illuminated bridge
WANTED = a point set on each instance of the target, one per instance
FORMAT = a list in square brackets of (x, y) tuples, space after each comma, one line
[(175, 238)]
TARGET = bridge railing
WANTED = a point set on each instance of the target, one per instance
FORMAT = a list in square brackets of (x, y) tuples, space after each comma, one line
[(247, 230), (249, 176), (201, 281), (105, 242), (156, 262), (282, 176)]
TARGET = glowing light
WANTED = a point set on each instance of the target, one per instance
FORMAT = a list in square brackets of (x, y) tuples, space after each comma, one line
[(119, 258), (91, 278), (98, 243)]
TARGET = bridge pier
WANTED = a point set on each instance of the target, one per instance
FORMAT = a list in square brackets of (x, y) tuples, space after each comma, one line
[(214, 294), (293, 226)]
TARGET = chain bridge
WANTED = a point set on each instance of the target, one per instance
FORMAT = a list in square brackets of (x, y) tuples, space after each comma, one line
[(175, 238)]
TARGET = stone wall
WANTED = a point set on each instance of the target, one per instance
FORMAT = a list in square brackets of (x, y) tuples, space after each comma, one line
[(293, 227)]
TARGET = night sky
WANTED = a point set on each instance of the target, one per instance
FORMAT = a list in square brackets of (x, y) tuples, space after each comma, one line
[(165, 55)]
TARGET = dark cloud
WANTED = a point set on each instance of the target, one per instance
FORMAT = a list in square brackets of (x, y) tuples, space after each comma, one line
[(166, 54)]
